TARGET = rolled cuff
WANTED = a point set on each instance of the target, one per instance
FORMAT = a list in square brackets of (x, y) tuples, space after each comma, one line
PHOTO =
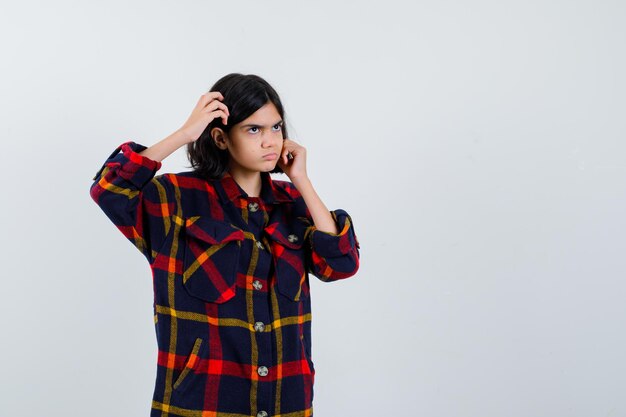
[(329, 245), (134, 168)]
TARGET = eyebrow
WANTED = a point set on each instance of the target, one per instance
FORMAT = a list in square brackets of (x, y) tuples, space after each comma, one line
[(280, 122)]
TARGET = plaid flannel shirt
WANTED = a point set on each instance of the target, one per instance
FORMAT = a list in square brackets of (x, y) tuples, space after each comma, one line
[(232, 303)]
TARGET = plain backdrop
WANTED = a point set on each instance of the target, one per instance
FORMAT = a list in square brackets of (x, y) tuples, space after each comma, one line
[(478, 145)]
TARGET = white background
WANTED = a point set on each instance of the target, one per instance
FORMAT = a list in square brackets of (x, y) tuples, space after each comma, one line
[(478, 145)]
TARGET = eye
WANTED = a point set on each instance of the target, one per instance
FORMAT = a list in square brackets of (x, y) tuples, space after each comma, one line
[(277, 127)]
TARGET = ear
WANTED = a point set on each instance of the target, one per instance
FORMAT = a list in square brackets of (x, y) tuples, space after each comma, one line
[(219, 137)]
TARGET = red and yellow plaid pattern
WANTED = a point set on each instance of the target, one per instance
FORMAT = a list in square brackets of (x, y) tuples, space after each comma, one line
[(232, 302)]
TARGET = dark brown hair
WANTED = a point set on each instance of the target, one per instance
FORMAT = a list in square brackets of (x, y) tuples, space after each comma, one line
[(243, 95)]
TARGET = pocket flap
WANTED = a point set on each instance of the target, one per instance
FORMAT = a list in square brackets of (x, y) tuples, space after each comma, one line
[(289, 257), (212, 231), (291, 235), (211, 258)]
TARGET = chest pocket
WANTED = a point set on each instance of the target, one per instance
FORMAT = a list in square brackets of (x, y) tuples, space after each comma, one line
[(211, 257), (288, 250)]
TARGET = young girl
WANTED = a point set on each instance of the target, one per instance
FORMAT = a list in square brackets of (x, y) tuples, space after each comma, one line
[(230, 250)]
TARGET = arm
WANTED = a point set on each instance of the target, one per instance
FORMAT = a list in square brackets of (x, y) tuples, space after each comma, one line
[(138, 203), (334, 247), (320, 215)]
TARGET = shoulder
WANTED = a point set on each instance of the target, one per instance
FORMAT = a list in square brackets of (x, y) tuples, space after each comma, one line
[(286, 188), (290, 192), (184, 179), (190, 193), (183, 185)]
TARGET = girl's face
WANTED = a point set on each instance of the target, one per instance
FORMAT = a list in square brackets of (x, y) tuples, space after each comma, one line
[(253, 138)]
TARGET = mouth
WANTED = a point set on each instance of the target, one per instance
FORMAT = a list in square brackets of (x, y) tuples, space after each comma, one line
[(270, 156)]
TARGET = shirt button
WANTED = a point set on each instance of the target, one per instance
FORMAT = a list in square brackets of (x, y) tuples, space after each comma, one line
[(262, 370), (257, 284), (259, 326), (292, 238), (262, 413), (259, 244), (253, 206)]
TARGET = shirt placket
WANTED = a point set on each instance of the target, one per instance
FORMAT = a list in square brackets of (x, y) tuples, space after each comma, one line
[(257, 216)]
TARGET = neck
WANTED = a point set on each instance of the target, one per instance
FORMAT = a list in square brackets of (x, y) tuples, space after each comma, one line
[(249, 181)]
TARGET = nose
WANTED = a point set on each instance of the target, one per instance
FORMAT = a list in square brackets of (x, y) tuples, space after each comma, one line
[(272, 140)]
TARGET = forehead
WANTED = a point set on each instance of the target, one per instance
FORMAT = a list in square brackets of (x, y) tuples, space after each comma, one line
[(265, 114)]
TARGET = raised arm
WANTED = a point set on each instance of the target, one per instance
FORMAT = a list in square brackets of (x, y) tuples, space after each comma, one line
[(139, 203), (333, 246)]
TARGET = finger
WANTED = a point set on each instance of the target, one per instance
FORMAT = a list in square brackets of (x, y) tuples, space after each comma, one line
[(224, 117), (215, 104), (208, 97), (218, 103), (213, 95), (219, 113), (224, 106)]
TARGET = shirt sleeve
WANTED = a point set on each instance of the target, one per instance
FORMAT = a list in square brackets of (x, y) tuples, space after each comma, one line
[(334, 256), (137, 202)]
